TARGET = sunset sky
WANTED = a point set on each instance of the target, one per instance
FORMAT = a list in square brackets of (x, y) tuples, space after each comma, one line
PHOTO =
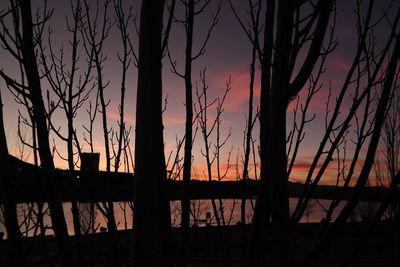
[(227, 55)]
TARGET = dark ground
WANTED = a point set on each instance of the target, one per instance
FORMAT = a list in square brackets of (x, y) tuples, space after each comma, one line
[(205, 250)]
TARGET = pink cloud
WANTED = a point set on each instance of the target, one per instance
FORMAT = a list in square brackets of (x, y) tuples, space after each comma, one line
[(237, 100), (115, 116), (171, 120), (318, 102), (339, 63)]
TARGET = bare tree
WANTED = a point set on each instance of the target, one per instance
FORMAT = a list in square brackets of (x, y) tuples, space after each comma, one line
[(287, 29), (89, 130), (72, 90), (95, 29), (248, 144), (192, 9), (379, 118), (391, 144), (29, 122), (123, 19), (152, 221), (17, 257), (26, 43), (208, 128)]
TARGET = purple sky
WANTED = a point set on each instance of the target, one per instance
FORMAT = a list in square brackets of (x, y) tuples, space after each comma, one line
[(227, 55)]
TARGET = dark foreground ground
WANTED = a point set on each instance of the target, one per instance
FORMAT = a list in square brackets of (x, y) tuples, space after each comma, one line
[(204, 247)]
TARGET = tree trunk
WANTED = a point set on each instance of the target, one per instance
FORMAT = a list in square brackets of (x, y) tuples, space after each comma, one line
[(39, 113), (276, 149), (277, 59), (274, 162), (16, 256), (152, 222), (71, 167), (187, 164), (260, 227)]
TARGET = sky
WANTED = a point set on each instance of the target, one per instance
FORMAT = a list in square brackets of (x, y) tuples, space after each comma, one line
[(227, 56)]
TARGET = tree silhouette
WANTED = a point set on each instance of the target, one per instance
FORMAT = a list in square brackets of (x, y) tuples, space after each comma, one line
[(212, 156), (123, 20), (95, 28), (303, 26), (379, 117), (192, 10), (25, 43), (283, 35), (292, 43), (17, 257), (29, 120), (152, 222), (391, 148), (72, 90)]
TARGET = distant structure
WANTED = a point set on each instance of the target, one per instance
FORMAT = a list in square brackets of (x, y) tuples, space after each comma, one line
[(89, 164)]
